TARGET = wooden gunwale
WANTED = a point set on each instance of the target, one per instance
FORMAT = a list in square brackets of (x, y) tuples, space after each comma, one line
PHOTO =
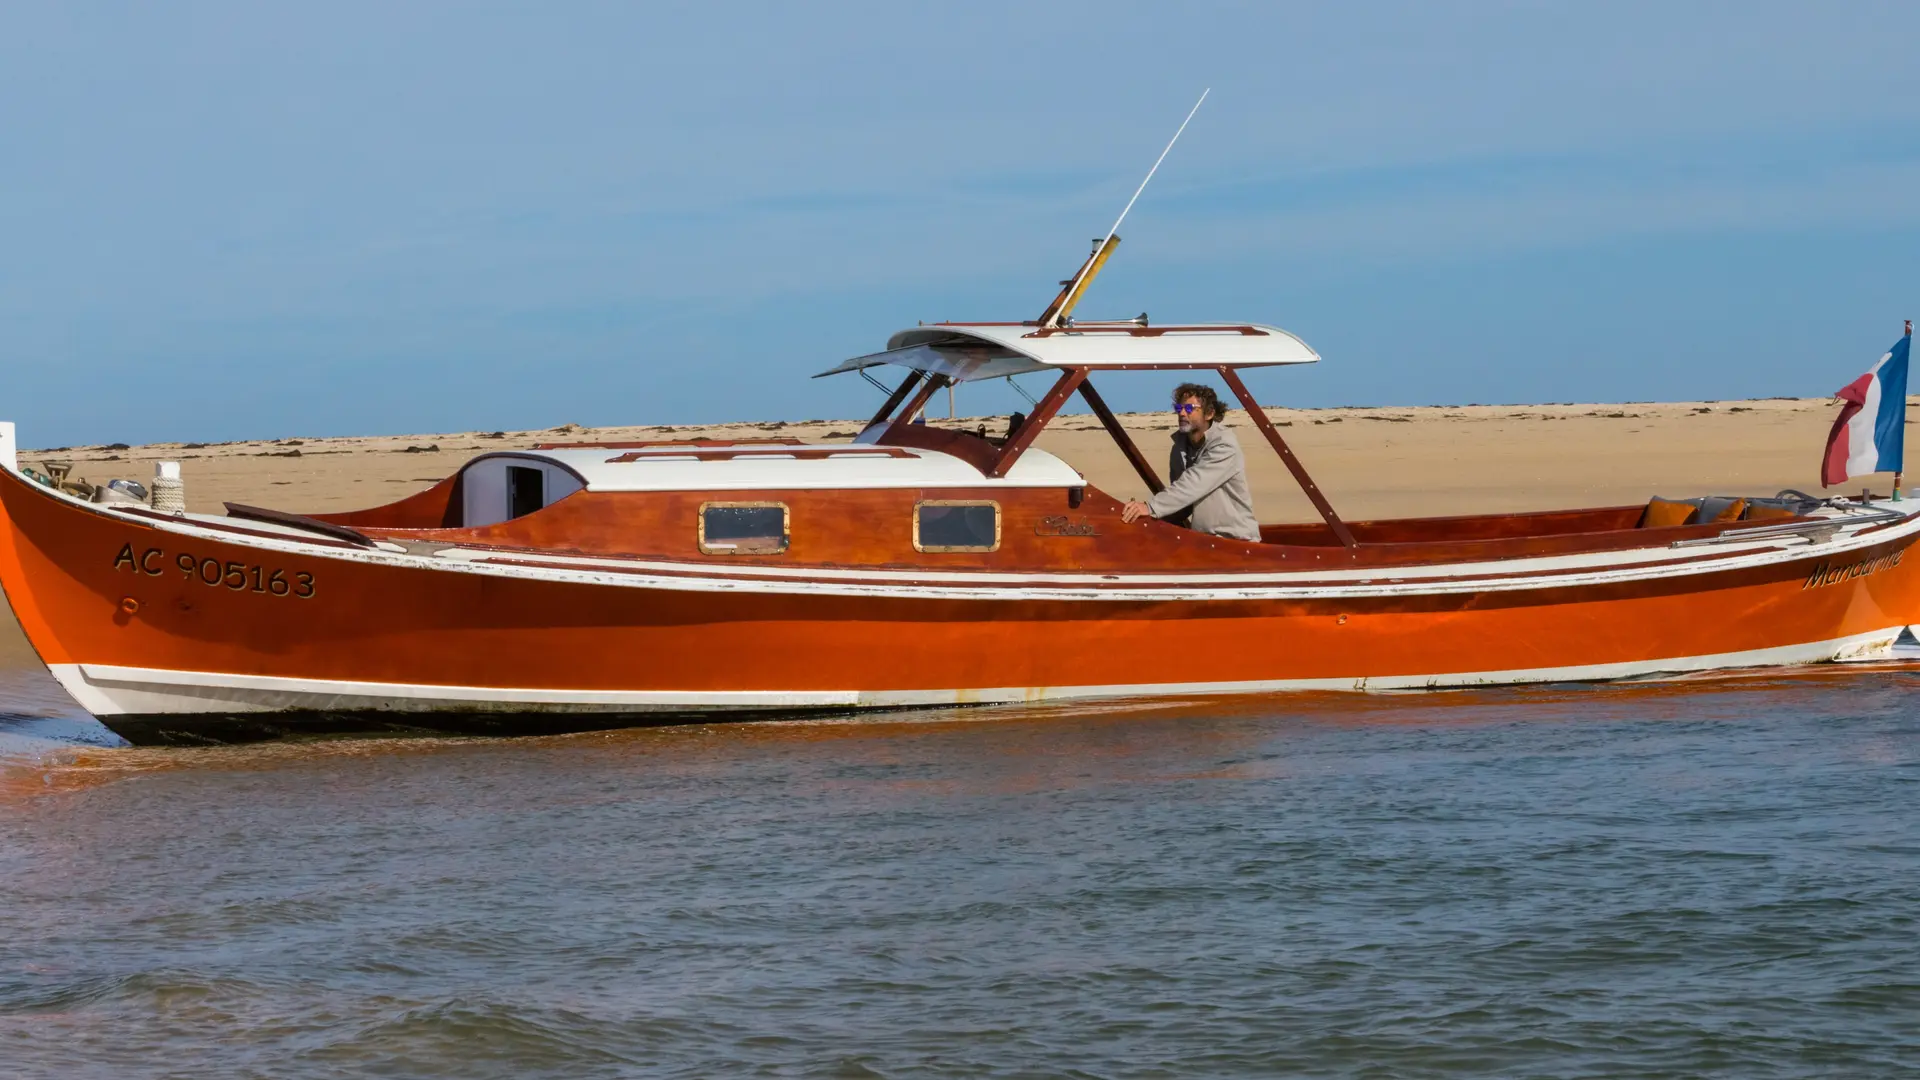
[(744, 566), (1094, 582)]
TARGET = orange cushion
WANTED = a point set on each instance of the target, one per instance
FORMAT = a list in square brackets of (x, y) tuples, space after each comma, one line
[(1665, 513), (1756, 512), (1730, 512)]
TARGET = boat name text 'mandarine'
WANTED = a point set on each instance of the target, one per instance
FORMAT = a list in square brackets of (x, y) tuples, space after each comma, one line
[(1833, 575)]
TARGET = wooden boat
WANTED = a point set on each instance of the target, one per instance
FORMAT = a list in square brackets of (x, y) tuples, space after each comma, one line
[(577, 585)]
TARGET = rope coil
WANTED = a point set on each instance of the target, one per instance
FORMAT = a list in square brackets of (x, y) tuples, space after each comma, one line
[(169, 495)]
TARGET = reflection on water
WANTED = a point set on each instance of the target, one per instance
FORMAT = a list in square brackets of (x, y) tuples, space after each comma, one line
[(1661, 880)]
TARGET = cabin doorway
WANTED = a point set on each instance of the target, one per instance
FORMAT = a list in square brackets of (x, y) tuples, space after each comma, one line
[(526, 491)]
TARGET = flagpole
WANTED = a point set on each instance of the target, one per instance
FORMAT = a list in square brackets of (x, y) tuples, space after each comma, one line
[(1898, 473)]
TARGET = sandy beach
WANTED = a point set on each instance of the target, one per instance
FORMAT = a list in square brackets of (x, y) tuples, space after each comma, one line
[(1388, 462)]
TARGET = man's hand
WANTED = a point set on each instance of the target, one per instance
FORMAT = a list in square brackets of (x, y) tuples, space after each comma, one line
[(1134, 509)]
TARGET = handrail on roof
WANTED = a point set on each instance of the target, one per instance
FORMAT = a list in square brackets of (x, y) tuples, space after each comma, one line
[(795, 453)]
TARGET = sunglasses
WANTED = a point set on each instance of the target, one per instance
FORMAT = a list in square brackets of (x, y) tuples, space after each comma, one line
[(1186, 408)]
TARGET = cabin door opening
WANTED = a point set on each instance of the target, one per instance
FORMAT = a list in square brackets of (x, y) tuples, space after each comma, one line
[(526, 491)]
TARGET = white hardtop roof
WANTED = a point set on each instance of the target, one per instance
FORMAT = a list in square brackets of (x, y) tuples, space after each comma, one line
[(762, 466), (968, 352)]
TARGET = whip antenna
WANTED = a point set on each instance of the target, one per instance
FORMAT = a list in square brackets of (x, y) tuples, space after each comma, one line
[(1063, 304)]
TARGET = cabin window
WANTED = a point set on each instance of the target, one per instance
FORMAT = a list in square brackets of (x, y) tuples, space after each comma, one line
[(743, 528), (526, 490), (947, 525)]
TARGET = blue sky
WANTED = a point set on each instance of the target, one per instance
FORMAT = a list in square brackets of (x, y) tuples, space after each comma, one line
[(242, 220)]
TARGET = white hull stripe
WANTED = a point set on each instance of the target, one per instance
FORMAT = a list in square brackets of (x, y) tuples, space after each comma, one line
[(106, 690)]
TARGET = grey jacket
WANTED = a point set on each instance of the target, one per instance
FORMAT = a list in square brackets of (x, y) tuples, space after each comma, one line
[(1212, 479)]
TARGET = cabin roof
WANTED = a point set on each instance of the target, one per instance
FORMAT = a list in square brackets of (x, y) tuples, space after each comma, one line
[(764, 467), (967, 352)]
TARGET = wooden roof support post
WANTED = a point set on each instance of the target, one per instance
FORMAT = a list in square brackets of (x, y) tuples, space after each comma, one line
[(927, 390), (894, 400), (1280, 447), (1120, 436), (1018, 442)]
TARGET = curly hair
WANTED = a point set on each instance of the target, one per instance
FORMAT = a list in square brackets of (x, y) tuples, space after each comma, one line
[(1209, 400)]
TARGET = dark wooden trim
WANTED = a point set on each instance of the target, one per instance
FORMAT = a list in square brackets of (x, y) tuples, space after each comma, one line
[(215, 524), (298, 521), (1018, 442), (1120, 436), (1280, 447)]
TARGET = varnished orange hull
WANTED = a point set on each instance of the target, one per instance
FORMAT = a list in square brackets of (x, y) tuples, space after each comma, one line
[(143, 618)]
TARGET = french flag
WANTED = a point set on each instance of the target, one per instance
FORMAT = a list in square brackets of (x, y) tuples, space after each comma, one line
[(1870, 435)]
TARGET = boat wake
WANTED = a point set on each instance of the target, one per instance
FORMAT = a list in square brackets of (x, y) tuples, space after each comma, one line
[(41, 726)]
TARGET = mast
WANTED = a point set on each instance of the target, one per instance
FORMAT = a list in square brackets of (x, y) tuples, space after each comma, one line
[(1070, 292), (1072, 288)]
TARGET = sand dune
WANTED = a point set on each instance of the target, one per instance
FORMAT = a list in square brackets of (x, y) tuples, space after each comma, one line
[(1389, 462)]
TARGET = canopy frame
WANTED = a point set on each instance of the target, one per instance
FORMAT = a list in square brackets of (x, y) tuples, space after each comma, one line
[(1074, 379)]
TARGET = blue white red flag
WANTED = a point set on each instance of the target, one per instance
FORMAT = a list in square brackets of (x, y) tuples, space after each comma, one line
[(1870, 435)]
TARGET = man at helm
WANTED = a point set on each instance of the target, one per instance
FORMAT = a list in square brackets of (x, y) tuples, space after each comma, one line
[(1207, 475)]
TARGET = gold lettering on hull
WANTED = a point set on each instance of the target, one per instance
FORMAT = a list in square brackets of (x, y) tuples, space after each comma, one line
[(1065, 526), (1826, 574), (237, 576)]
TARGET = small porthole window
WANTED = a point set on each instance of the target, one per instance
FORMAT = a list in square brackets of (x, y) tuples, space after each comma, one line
[(743, 528), (954, 525)]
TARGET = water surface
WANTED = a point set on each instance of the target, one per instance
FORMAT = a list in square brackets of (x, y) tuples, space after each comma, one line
[(1700, 878)]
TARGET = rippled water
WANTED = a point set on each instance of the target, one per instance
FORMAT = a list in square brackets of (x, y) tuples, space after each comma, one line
[(1707, 878)]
